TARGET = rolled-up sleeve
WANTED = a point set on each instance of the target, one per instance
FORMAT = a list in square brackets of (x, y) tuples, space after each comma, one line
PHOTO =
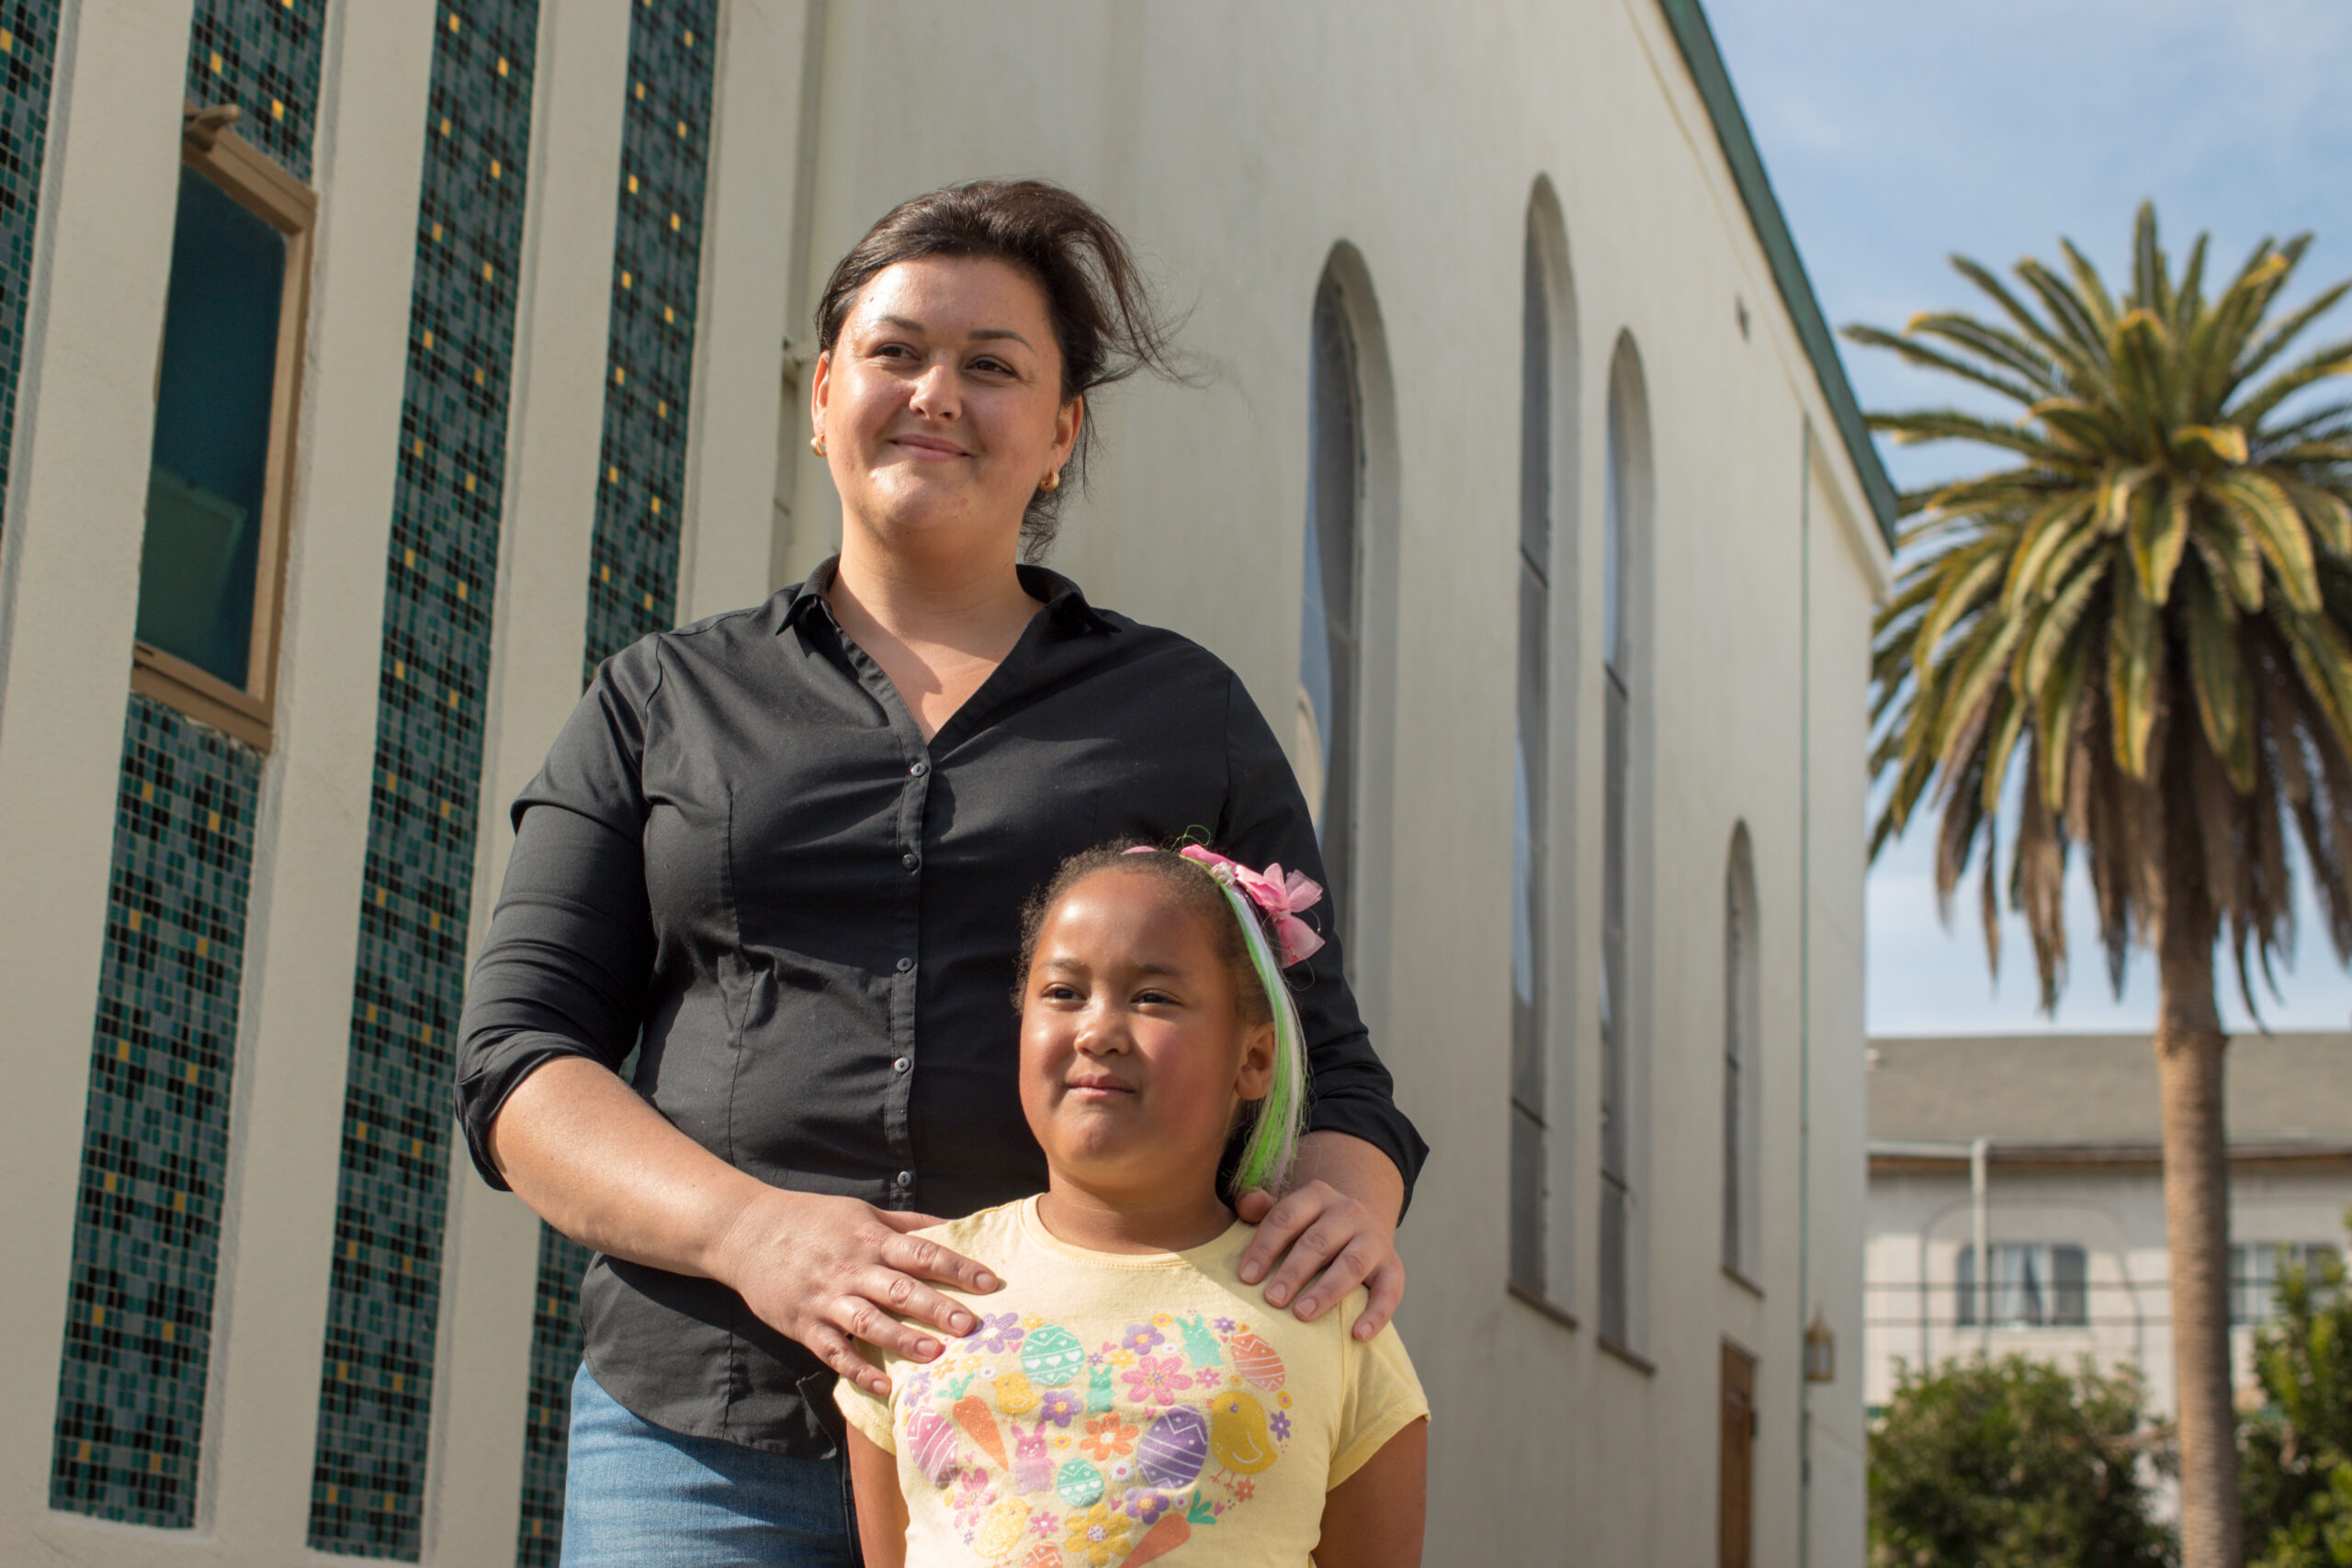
[(566, 966), (1266, 820)]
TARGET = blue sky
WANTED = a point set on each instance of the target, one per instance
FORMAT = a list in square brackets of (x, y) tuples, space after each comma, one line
[(1898, 132)]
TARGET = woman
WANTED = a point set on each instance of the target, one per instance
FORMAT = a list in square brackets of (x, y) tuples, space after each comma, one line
[(781, 851)]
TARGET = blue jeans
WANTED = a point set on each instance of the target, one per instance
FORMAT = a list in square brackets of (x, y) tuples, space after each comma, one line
[(639, 1494)]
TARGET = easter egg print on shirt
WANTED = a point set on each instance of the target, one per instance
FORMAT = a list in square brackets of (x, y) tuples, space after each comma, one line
[(1128, 1411), (1177, 1418), (1052, 1357)]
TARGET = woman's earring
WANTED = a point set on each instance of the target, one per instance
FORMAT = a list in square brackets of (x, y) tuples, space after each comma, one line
[(817, 445), (1053, 480)]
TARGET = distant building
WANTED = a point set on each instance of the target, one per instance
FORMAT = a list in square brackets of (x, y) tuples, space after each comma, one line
[(2071, 1190)]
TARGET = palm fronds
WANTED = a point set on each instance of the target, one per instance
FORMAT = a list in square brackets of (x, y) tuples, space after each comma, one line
[(2135, 637)]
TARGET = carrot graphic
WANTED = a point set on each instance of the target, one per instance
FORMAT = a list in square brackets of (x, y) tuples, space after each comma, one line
[(972, 1415), (1163, 1538)]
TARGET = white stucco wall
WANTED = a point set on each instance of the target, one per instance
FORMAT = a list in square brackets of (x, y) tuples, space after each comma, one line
[(1236, 146)]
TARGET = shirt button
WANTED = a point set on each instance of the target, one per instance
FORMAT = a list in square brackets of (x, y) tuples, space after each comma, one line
[(900, 1065), (905, 964), (920, 769), (905, 1179), (911, 860)]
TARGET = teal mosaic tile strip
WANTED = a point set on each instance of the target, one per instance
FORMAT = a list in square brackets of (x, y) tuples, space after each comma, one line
[(28, 60), (376, 1372), (130, 1428), (263, 56), (656, 273), (555, 1356), (155, 1146), (633, 558)]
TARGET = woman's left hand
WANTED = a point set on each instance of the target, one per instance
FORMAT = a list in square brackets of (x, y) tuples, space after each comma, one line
[(1325, 1241)]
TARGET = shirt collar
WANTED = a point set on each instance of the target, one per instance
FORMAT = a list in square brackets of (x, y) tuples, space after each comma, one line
[(1063, 599)]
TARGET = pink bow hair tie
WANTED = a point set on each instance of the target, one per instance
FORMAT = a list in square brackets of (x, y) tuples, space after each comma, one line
[(1284, 896)]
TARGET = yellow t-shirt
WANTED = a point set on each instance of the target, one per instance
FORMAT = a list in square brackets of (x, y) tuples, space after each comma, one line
[(1120, 1409)]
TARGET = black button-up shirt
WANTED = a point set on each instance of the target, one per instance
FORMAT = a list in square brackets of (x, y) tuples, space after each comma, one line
[(742, 856)]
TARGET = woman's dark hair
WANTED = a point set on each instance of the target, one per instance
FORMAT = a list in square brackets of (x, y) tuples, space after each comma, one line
[(1105, 322), (1193, 888)]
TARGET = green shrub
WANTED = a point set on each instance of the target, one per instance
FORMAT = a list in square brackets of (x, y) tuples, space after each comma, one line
[(2295, 1453), (2012, 1463)]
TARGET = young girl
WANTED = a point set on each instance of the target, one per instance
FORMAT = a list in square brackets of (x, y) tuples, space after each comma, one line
[(1125, 1398)]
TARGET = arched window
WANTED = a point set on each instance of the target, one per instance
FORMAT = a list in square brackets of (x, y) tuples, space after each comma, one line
[(1329, 649), (1545, 565), (1624, 551), (1742, 1122), (1531, 770)]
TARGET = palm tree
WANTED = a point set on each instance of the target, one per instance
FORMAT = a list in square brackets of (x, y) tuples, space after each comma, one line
[(2135, 639)]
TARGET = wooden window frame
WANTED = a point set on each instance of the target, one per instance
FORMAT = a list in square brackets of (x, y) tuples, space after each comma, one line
[(263, 187)]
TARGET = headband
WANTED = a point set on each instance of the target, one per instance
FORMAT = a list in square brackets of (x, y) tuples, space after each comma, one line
[(1273, 1143)]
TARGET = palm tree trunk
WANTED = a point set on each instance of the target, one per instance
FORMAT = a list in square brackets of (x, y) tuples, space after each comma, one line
[(2189, 1045)]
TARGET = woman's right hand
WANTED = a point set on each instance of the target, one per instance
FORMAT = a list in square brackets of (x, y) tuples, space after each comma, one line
[(608, 1171), (829, 1271)]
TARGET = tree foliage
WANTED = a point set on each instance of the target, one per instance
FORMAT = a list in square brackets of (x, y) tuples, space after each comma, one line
[(2147, 610), (2012, 1463), (2297, 1450)]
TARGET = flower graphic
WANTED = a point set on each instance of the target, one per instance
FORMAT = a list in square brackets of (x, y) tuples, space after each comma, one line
[(1225, 1326), (1061, 1408), (1042, 1525), (1098, 1535), (1280, 1422), (1141, 1337), (1107, 1438), (1122, 1358), (1160, 1377), (1244, 1489), (1145, 1507), (998, 1333)]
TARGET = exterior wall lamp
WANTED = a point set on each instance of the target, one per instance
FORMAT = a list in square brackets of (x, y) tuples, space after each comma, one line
[(1820, 1350)]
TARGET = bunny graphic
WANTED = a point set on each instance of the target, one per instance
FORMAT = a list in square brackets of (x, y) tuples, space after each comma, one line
[(1033, 1470)]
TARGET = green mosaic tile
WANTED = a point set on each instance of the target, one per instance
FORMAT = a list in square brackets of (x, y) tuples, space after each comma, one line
[(555, 1356), (129, 1424), (375, 1370), (657, 272), (633, 560), (263, 56), (155, 1146), (28, 59)]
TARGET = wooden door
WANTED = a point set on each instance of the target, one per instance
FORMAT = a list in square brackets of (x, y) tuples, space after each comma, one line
[(1738, 1455)]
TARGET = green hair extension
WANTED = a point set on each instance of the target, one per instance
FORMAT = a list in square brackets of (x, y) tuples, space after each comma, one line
[(1273, 1143)]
